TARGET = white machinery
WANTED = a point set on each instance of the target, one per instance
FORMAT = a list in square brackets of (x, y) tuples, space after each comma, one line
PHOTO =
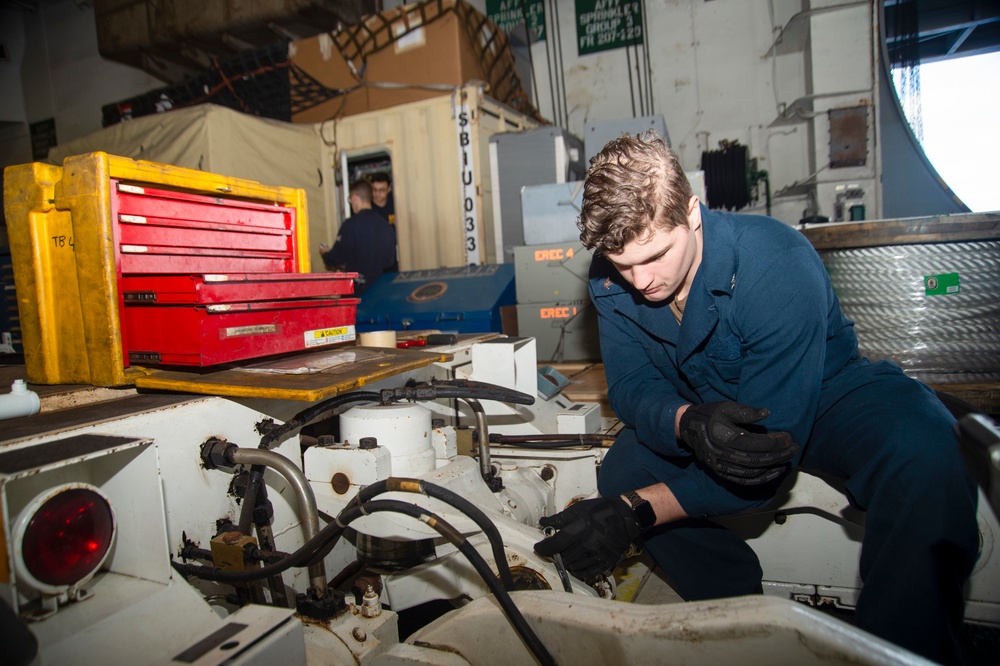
[(165, 528)]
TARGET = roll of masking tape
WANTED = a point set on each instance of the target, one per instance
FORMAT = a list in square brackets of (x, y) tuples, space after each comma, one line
[(378, 339)]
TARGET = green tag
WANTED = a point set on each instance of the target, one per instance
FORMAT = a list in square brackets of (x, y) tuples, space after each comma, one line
[(945, 283)]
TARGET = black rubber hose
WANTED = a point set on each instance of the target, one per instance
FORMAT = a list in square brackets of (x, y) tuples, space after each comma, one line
[(399, 484), (300, 558), (551, 441), (460, 388), (445, 529), (355, 511), (307, 415), (302, 418)]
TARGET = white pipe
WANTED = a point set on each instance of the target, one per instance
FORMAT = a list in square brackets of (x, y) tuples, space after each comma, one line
[(19, 402)]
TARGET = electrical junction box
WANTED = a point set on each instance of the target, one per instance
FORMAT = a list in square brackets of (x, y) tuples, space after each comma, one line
[(536, 156), (467, 299), (549, 212), (581, 417), (563, 330), (552, 272)]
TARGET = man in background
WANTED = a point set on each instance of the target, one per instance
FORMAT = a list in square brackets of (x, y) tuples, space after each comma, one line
[(382, 199), (384, 204), (366, 244)]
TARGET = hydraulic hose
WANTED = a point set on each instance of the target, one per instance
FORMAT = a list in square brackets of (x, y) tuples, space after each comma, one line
[(399, 484), (334, 531), (445, 529), (328, 536), (472, 392), (307, 415), (297, 421), (551, 441), (300, 558), (457, 388), (303, 494)]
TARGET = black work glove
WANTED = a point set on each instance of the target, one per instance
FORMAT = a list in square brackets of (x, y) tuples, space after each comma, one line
[(729, 451), (593, 535)]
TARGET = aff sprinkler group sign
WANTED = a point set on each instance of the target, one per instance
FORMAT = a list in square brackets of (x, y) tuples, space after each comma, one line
[(602, 25), (509, 14)]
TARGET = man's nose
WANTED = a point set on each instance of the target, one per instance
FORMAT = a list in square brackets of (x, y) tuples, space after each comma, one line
[(641, 277)]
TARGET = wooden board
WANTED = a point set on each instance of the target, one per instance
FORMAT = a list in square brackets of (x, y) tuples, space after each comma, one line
[(308, 377)]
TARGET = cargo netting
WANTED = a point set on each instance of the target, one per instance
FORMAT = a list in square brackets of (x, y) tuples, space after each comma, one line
[(379, 31), (255, 82)]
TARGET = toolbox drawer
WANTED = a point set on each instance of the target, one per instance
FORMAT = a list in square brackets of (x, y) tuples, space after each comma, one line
[(203, 335), (165, 231), (233, 287)]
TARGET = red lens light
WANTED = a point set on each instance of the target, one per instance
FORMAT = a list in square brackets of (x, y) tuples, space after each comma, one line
[(68, 537)]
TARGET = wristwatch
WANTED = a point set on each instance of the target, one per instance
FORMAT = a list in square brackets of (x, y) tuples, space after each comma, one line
[(642, 510)]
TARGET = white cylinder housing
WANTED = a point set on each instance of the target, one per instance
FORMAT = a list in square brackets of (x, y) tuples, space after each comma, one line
[(404, 429)]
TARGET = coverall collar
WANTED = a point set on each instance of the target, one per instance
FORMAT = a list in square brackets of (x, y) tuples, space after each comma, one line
[(716, 277)]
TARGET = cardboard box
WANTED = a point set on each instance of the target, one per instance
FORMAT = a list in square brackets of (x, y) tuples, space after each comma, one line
[(436, 44)]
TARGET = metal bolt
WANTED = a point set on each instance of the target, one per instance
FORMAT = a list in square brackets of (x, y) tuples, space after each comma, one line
[(326, 440), (437, 423), (370, 606), (547, 473), (341, 483), (368, 443), (359, 634)]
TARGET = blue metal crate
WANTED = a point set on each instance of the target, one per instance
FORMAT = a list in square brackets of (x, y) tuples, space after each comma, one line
[(452, 300)]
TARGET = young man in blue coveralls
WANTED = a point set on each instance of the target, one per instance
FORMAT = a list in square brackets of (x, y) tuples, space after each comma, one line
[(730, 363)]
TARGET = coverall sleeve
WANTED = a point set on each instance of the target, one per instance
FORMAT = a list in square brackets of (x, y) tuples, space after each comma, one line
[(344, 247), (638, 392), (782, 321)]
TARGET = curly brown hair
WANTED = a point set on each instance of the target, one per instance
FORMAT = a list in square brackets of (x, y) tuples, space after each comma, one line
[(635, 182)]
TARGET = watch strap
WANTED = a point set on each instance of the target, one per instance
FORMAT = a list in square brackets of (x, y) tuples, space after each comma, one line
[(642, 510)]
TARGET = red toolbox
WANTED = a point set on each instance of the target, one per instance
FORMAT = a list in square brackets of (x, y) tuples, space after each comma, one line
[(220, 318), (204, 335)]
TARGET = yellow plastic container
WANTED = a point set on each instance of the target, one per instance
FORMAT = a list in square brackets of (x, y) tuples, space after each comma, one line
[(62, 242)]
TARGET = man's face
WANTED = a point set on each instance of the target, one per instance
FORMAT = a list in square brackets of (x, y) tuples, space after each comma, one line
[(380, 193), (663, 262)]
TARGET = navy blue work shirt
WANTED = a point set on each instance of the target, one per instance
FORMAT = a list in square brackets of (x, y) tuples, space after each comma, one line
[(761, 326)]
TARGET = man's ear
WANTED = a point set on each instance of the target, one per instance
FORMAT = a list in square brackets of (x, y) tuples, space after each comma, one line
[(694, 212)]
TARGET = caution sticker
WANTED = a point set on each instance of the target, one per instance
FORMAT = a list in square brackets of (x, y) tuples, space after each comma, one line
[(329, 336), (938, 285)]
